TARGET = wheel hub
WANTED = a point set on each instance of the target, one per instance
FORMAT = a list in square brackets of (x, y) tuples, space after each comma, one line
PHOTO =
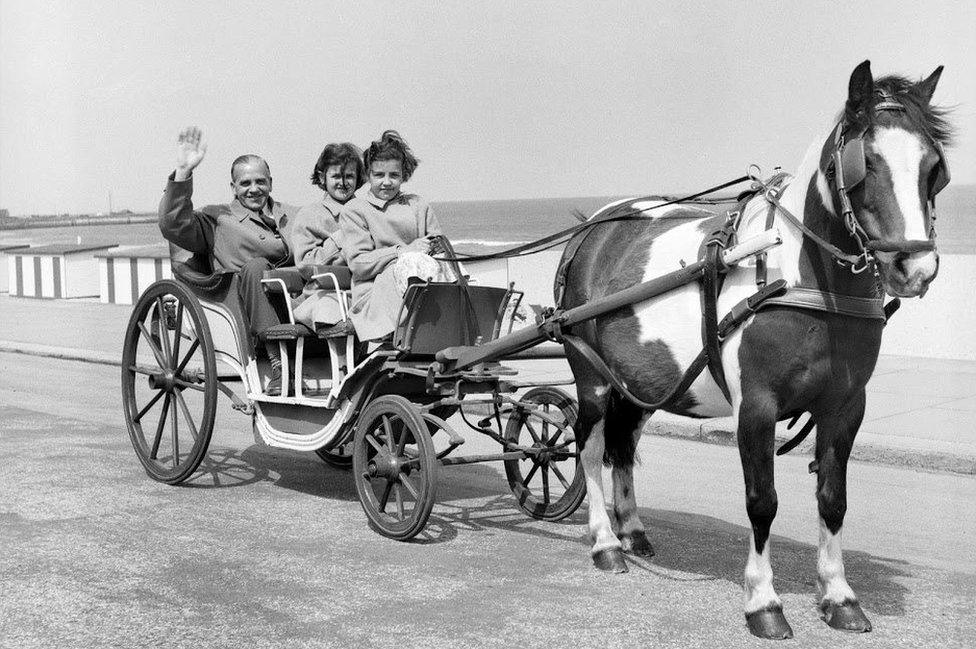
[(165, 380), (387, 466)]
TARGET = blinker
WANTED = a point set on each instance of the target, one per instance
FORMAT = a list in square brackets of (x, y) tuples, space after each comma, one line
[(854, 167)]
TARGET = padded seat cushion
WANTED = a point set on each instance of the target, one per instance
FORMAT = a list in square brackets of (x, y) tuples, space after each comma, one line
[(342, 274)]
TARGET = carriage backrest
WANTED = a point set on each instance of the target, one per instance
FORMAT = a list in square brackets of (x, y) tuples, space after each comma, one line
[(436, 315)]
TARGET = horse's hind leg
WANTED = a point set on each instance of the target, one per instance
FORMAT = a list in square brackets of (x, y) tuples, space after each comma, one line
[(835, 436), (756, 429), (624, 422)]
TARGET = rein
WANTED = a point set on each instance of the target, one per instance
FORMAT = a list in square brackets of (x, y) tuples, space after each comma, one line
[(561, 237)]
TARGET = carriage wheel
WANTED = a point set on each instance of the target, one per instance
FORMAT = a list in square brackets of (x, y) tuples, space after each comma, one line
[(339, 458), (169, 381), (395, 467), (549, 485)]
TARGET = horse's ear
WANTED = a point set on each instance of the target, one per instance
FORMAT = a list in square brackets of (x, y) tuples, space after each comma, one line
[(926, 88), (859, 90)]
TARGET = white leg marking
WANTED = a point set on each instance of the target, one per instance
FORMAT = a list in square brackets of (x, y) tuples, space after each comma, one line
[(830, 568), (592, 461), (759, 592)]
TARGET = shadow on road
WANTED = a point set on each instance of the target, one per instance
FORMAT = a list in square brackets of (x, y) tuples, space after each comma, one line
[(299, 471), (703, 547)]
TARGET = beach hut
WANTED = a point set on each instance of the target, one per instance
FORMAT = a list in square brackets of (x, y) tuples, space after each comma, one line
[(126, 271), (54, 271), (4, 271)]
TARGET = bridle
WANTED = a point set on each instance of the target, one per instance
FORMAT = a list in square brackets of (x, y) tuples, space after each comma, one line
[(845, 170)]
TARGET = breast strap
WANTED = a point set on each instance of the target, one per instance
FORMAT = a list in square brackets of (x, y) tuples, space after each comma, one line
[(814, 299)]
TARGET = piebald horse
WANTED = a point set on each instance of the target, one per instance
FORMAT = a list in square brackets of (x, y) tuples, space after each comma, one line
[(877, 212)]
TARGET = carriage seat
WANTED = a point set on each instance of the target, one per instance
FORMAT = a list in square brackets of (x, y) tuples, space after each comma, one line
[(202, 280)]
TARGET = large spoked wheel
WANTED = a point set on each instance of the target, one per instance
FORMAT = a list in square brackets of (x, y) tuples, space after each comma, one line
[(169, 382), (395, 467), (548, 484)]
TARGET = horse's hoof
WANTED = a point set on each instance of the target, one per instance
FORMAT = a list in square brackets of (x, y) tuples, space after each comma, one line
[(769, 623), (610, 560), (636, 543), (846, 616)]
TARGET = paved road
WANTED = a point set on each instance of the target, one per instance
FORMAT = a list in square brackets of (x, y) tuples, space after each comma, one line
[(270, 548)]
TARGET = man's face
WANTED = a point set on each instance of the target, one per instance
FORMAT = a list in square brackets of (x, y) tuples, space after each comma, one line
[(252, 185), (385, 178)]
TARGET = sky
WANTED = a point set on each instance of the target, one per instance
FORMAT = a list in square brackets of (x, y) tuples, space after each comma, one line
[(498, 99)]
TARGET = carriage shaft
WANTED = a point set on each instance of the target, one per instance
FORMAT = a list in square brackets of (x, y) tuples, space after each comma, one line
[(464, 357)]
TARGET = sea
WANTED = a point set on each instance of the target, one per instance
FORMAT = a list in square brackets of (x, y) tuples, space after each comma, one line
[(480, 226)]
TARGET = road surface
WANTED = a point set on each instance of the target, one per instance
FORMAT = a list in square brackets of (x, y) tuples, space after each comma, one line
[(270, 548)]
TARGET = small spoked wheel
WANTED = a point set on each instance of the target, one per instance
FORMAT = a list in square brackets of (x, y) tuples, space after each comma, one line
[(548, 483), (169, 381), (395, 467), (339, 457)]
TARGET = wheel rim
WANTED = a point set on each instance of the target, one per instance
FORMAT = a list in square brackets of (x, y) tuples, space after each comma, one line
[(169, 382), (340, 457), (394, 466), (548, 483)]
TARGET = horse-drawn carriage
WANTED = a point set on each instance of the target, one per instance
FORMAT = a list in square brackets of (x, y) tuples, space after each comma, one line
[(383, 411), (797, 330)]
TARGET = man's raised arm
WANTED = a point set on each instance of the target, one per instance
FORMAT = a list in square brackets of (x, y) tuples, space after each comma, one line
[(178, 222)]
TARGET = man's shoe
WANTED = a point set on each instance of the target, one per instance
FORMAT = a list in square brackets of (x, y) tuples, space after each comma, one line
[(273, 388), (339, 330)]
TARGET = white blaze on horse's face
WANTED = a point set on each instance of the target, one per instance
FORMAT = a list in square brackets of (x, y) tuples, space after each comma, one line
[(905, 275)]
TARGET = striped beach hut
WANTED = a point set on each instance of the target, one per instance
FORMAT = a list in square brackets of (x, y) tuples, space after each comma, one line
[(54, 271), (126, 271), (7, 248)]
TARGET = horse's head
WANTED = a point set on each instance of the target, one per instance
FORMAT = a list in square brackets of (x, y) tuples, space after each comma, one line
[(887, 163)]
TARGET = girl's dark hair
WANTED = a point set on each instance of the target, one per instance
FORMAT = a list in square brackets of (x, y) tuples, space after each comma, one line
[(339, 154), (391, 146)]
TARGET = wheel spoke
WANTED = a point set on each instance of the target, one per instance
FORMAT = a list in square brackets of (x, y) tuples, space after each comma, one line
[(175, 422), (152, 402), (163, 334), (402, 443), (528, 478), (189, 353), (545, 424), (159, 429), (559, 475), (152, 345), (386, 495), (405, 481), (178, 332), (371, 439), (535, 435), (545, 485), (186, 414), (399, 501), (389, 434)]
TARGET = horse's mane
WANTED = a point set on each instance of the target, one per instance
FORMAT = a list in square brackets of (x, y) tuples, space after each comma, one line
[(925, 117)]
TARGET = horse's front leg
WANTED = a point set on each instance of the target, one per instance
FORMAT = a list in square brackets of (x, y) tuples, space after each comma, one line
[(835, 437), (756, 436)]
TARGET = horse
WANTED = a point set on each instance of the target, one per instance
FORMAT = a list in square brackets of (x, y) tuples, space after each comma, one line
[(856, 221)]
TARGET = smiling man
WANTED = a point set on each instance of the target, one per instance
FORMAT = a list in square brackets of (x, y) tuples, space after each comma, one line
[(246, 236)]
